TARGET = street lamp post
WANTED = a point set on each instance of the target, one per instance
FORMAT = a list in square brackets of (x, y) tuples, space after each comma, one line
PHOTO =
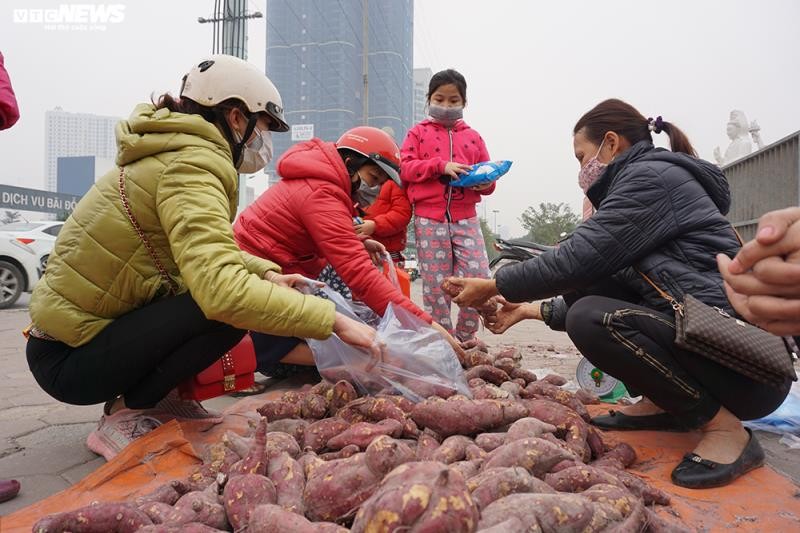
[(495, 211)]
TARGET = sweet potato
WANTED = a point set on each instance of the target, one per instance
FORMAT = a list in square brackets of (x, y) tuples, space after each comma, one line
[(216, 458), (475, 382), (289, 479), (512, 352), (586, 397), (167, 493), (240, 445), (323, 388), (156, 511), (506, 364), (495, 483), (512, 388), (621, 454), (95, 518), (452, 449), (198, 506), (422, 496), (555, 379), (341, 394), (275, 519), (363, 433), (569, 425), (519, 381), (385, 453), (308, 462), (253, 462), (318, 433), (542, 389), (580, 478), (278, 442), (475, 357), (487, 373), (336, 489), (490, 392), (594, 439), (427, 445), (474, 452), (291, 426), (490, 441), (192, 527), (658, 524), (462, 416), (616, 507), (527, 427), (648, 493), (313, 406), (468, 469), (540, 512), (279, 409), (242, 494), (347, 451), (535, 455), (378, 409), (404, 404), (528, 376), (512, 525)]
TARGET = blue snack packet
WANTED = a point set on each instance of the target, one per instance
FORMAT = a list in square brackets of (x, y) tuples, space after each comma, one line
[(482, 173)]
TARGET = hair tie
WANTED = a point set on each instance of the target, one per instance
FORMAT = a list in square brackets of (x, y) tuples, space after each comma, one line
[(656, 126)]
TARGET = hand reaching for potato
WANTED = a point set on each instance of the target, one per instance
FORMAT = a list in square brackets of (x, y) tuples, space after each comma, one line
[(509, 314), (470, 292)]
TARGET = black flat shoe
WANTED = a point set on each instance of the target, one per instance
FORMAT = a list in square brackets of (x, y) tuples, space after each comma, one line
[(694, 472), (621, 421)]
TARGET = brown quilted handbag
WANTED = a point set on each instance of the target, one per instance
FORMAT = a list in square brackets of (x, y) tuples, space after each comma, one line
[(731, 342)]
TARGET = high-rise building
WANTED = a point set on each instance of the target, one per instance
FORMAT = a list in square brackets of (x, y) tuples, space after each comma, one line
[(316, 53), (422, 78), (75, 134)]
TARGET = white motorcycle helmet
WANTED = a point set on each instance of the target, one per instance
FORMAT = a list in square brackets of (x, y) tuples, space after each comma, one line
[(221, 77)]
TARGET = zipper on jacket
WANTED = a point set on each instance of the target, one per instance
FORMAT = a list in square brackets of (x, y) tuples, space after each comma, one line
[(449, 187)]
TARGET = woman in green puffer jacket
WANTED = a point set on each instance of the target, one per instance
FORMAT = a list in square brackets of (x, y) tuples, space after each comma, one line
[(146, 286)]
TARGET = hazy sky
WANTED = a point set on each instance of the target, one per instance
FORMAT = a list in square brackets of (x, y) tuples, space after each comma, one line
[(532, 69)]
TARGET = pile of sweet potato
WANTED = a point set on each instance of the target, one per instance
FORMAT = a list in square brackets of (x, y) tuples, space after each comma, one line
[(517, 456)]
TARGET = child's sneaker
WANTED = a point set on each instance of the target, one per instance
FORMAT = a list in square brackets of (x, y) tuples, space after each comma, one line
[(115, 432), (177, 407)]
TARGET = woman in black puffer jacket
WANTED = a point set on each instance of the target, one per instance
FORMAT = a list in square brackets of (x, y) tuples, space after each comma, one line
[(659, 213)]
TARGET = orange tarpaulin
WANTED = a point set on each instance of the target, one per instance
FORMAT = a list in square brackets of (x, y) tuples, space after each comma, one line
[(763, 500)]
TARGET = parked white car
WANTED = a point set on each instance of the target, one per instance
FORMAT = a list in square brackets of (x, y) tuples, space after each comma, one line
[(38, 235), (20, 269)]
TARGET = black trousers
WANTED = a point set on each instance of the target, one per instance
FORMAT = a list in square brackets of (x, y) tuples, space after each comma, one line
[(141, 355), (637, 345)]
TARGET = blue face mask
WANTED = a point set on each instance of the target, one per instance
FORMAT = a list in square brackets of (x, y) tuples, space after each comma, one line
[(446, 116)]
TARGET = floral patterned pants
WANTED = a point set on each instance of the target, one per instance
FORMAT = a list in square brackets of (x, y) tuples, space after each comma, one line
[(450, 249)]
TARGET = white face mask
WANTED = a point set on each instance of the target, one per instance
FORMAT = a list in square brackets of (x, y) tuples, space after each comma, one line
[(257, 154)]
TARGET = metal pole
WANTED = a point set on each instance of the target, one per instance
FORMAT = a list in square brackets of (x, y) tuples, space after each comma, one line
[(495, 211), (365, 58)]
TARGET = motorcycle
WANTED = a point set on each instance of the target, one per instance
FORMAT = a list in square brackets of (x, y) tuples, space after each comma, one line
[(515, 251)]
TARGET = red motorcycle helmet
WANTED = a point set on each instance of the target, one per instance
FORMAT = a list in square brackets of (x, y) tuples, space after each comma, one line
[(375, 144)]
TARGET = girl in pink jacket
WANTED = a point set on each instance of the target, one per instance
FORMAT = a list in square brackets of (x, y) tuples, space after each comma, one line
[(448, 232)]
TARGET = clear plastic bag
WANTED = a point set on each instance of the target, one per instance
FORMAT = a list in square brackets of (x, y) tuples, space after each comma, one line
[(418, 362)]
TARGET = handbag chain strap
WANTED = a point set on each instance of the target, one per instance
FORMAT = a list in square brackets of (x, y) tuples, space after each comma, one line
[(172, 287)]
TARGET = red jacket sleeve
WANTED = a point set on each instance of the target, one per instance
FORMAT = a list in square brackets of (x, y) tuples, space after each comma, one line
[(414, 169), (395, 218), (9, 111), (330, 226)]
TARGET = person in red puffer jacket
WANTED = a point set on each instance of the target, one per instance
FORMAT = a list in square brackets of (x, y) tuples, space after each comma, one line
[(386, 219), (305, 222), (447, 228)]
